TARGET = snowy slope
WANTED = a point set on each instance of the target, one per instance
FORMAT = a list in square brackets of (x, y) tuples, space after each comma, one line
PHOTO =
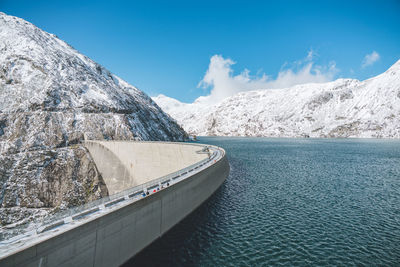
[(51, 97), (41, 73), (342, 108)]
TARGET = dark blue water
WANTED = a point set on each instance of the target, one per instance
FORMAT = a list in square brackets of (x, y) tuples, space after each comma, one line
[(293, 202)]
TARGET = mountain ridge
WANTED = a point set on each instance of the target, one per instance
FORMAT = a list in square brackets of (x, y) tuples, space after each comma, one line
[(341, 108)]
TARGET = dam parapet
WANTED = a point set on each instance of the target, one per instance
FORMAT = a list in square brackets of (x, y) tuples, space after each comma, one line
[(172, 204)]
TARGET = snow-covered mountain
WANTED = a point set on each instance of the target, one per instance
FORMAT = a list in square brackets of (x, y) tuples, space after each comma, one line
[(51, 97), (41, 73), (342, 108)]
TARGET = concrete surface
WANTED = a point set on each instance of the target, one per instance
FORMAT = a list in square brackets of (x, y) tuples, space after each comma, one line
[(126, 164)]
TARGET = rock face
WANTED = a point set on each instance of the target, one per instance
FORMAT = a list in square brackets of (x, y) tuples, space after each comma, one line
[(342, 108), (51, 97), (62, 178)]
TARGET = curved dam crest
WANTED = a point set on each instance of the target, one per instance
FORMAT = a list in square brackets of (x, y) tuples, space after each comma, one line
[(115, 231), (127, 164)]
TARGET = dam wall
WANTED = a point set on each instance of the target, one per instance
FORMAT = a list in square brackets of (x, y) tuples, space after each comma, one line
[(126, 164), (114, 237)]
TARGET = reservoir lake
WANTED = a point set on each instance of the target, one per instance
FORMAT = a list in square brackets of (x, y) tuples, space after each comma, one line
[(293, 202)]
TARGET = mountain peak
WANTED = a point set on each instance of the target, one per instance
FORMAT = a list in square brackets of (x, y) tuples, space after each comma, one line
[(44, 72)]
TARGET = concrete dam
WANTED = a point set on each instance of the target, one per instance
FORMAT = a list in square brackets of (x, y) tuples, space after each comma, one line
[(152, 186)]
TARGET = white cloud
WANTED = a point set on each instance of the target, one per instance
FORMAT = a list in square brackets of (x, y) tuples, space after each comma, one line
[(370, 59), (223, 83), (310, 55)]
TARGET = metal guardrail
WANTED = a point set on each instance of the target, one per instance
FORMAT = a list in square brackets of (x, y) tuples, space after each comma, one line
[(136, 190), (130, 193)]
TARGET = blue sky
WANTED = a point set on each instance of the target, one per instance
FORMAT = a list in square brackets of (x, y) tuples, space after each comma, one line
[(166, 46)]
